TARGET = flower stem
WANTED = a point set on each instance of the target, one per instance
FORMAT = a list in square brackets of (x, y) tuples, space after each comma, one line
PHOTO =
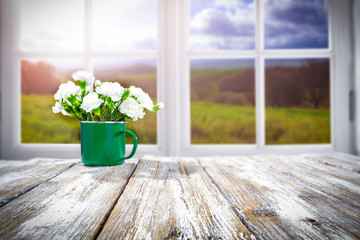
[(75, 114)]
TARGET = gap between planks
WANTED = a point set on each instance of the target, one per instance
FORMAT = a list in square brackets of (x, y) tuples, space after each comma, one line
[(71, 205), (26, 189), (232, 204), (107, 215), (201, 218)]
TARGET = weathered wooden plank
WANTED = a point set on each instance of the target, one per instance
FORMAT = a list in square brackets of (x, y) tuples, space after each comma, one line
[(72, 205), (167, 199), (342, 172), (332, 203), (339, 160), (346, 157), (282, 202), (259, 199), (18, 177)]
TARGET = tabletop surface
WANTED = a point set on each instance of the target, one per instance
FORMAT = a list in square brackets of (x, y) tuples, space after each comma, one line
[(307, 196)]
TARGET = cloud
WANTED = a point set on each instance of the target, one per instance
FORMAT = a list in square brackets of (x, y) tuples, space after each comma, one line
[(224, 25), (308, 12), (145, 43), (296, 24), (214, 23), (228, 3)]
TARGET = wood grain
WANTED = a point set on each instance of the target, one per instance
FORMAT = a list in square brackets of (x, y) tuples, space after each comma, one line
[(306, 196), (170, 199), (18, 177), (72, 205), (285, 197), (331, 202), (242, 183)]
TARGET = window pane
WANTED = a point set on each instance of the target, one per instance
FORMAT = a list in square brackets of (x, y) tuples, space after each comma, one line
[(297, 101), (40, 79), (224, 24), (296, 24), (222, 101), (140, 73), (124, 25), (51, 24)]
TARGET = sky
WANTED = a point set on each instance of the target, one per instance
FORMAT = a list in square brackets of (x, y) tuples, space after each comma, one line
[(51, 25), (132, 25), (222, 24), (116, 24), (230, 24), (296, 24), (125, 25)]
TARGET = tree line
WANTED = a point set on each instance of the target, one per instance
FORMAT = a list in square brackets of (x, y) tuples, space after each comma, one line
[(305, 85)]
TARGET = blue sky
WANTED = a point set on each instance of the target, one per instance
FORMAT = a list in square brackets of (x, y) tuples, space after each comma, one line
[(230, 24)]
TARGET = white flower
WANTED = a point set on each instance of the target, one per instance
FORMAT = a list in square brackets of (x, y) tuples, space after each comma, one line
[(65, 90), (89, 89), (132, 109), (142, 97), (58, 108), (113, 90), (160, 105), (97, 83), (91, 101), (83, 75)]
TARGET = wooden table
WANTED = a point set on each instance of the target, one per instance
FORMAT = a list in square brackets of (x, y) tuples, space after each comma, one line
[(308, 196)]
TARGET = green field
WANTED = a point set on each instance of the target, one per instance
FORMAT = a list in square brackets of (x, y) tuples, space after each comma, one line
[(220, 123), (228, 124), (40, 125), (297, 126), (210, 123)]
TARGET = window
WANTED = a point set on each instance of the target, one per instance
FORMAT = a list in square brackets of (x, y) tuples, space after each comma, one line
[(223, 101), (296, 87), (111, 28), (236, 76)]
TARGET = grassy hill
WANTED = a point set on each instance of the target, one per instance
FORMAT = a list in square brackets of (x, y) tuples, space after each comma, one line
[(210, 123)]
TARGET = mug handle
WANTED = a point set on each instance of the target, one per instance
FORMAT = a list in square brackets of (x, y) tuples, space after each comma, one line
[(134, 145)]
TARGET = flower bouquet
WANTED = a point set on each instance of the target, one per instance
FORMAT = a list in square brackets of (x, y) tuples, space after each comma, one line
[(103, 109), (96, 101)]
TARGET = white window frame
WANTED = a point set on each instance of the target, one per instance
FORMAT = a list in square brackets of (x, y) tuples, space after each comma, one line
[(173, 85), (339, 54)]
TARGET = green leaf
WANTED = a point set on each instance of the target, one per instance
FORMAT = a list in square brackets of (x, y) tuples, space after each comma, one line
[(157, 107), (68, 110), (83, 85), (125, 94), (73, 100), (111, 105), (77, 111), (97, 111)]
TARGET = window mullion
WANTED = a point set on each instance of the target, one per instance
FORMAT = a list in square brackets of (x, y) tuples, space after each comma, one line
[(260, 76), (87, 35), (171, 80)]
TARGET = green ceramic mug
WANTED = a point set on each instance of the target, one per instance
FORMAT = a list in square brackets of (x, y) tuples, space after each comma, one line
[(103, 143)]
